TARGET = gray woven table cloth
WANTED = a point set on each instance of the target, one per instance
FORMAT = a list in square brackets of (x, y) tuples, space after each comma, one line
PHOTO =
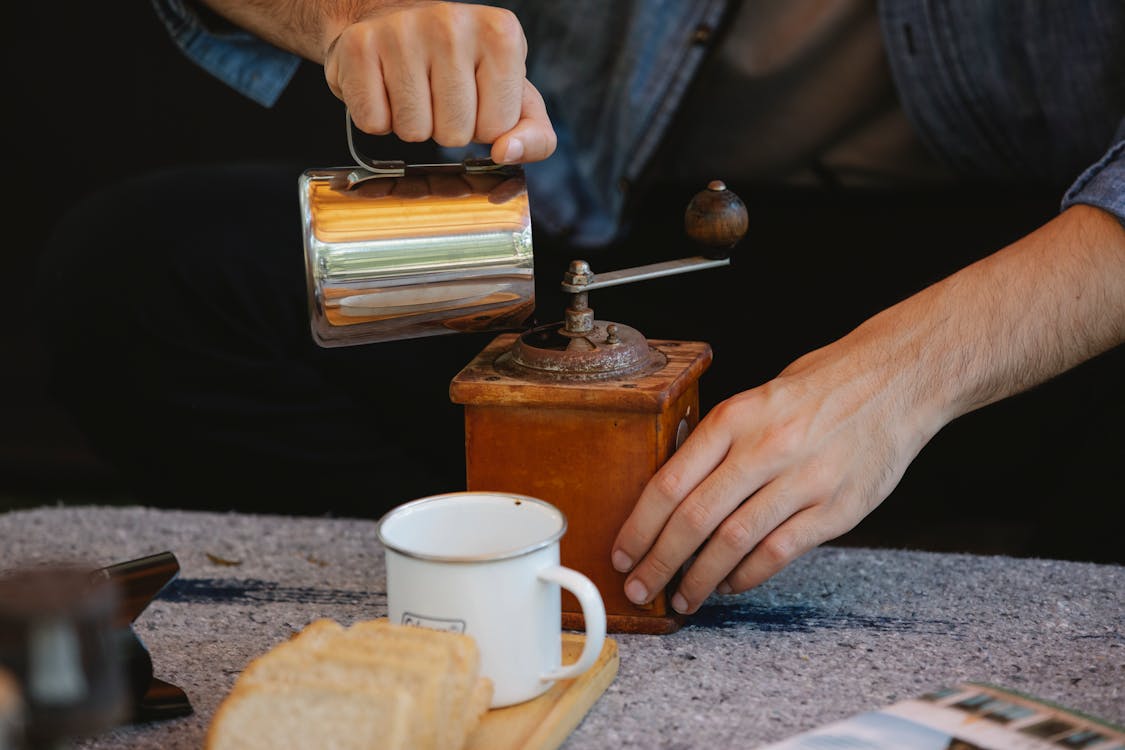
[(840, 631)]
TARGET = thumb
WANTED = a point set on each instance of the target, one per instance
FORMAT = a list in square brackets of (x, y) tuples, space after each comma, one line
[(533, 138)]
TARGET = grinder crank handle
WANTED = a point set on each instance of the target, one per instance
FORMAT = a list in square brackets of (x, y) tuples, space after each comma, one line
[(715, 218)]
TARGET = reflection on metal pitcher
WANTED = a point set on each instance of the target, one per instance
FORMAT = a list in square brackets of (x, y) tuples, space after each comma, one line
[(424, 250)]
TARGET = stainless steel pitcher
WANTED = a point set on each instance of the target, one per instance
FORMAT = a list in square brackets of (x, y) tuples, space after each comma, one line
[(396, 251)]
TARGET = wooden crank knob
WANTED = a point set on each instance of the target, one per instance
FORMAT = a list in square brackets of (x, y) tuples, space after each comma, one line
[(716, 218)]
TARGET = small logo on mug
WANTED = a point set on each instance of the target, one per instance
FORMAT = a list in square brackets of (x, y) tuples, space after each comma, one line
[(433, 623)]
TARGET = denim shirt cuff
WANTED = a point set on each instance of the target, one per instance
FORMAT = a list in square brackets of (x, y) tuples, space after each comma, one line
[(1103, 184), (254, 68)]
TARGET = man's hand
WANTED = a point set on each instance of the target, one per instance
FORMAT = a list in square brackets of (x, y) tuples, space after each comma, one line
[(448, 71), (772, 472), (777, 470)]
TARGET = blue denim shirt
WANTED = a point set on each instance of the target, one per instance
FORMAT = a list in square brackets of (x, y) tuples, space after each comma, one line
[(237, 58), (1008, 91), (1016, 91)]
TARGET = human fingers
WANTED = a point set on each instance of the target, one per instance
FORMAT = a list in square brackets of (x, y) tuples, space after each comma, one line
[(407, 81), (533, 138), (806, 529), (380, 67), (453, 97), (703, 482), (689, 526), (454, 72), (500, 76), (736, 537), (355, 75), (703, 450)]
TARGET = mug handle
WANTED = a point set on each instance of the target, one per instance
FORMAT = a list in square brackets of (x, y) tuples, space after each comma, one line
[(593, 612)]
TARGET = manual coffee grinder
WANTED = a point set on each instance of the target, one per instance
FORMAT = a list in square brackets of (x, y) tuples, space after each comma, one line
[(580, 413)]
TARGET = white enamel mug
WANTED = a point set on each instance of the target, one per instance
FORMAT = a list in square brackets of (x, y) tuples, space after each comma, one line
[(487, 564)]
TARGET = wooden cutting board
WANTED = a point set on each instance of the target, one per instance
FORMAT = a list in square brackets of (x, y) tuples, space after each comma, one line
[(544, 723)]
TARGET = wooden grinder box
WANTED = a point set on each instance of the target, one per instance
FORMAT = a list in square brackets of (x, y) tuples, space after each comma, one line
[(588, 446)]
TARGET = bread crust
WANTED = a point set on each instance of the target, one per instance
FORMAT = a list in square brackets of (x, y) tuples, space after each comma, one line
[(424, 685)]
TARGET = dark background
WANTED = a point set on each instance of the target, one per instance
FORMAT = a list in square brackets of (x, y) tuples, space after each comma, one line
[(98, 93)]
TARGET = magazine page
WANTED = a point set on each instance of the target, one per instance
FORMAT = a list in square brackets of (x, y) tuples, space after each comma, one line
[(971, 716)]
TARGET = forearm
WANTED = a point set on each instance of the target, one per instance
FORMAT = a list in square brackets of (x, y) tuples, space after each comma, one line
[(772, 472), (303, 27), (1036, 308)]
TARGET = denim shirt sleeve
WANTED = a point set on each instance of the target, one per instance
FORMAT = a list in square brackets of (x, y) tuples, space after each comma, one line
[(1103, 184), (239, 59)]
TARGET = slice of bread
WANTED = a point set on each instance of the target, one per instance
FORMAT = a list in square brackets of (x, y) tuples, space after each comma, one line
[(423, 675), (437, 671), (473, 696), (311, 714)]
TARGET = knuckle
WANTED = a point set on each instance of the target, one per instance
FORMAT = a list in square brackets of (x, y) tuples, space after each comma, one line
[(779, 549), (451, 13), (487, 133), (693, 586), (783, 438), (444, 34), (668, 484), (357, 42), (696, 517), (660, 568), (409, 120), (367, 117), (412, 135), (411, 129), (734, 535), (502, 28), (352, 40), (453, 122), (452, 136), (724, 416)]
